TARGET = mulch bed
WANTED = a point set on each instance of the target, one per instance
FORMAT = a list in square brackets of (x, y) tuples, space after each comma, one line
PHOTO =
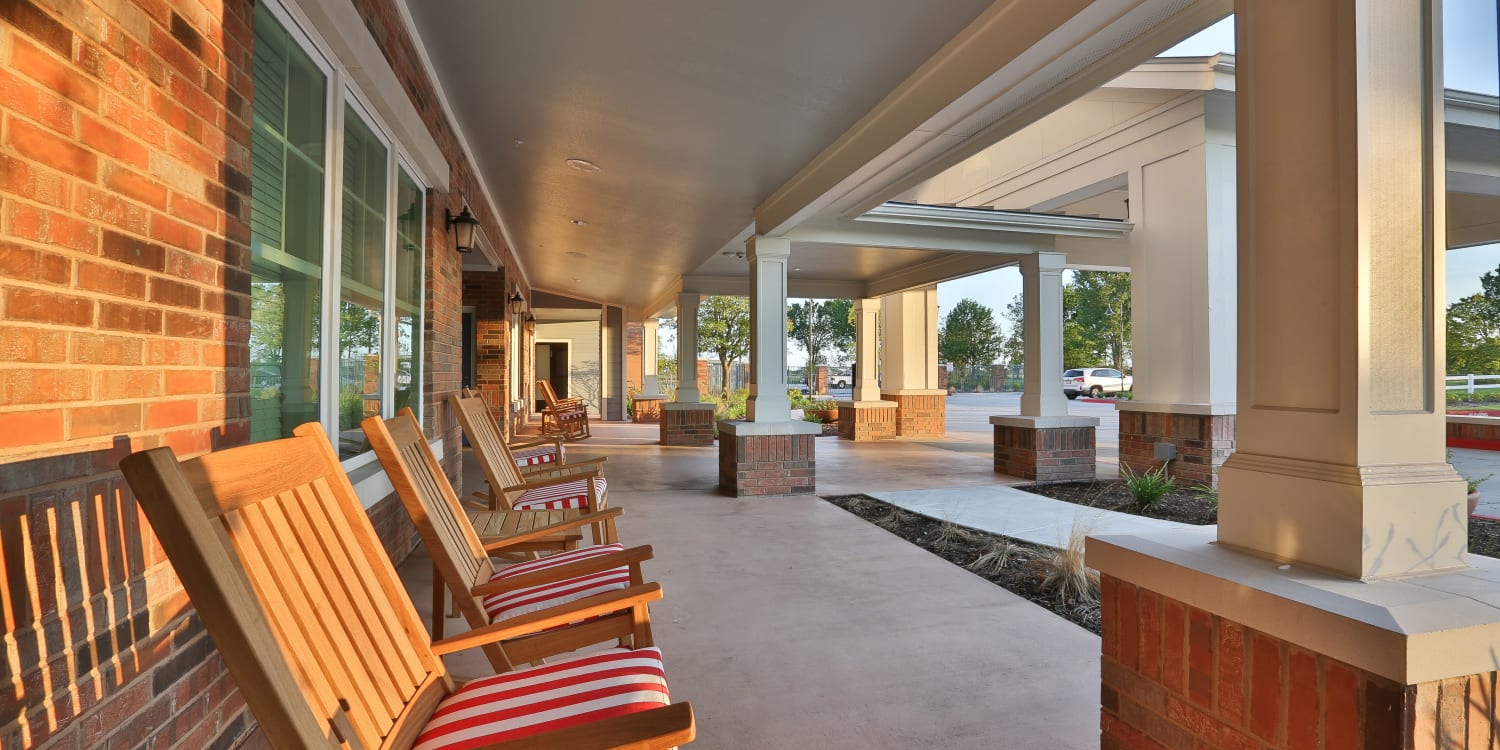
[(1022, 574), (1484, 537), (1184, 504)]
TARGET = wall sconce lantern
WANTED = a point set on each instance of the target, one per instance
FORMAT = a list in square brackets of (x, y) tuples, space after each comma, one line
[(517, 304), (464, 227)]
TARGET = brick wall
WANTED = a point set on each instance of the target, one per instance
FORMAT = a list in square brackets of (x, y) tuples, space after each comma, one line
[(868, 423), (124, 322), (487, 293), (1203, 443), (1175, 676), (1482, 433), (687, 426)]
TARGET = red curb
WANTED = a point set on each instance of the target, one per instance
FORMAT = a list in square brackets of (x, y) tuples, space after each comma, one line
[(1098, 400), (1483, 517), (1474, 443)]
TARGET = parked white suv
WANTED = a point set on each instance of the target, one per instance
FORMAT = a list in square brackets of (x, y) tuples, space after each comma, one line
[(1095, 382)]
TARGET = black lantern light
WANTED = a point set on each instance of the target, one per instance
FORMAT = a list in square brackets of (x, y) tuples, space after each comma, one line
[(464, 227), (517, 303)]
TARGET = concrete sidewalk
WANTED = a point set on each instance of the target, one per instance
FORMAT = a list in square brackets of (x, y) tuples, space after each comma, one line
[(1020, 514), (789, 622)]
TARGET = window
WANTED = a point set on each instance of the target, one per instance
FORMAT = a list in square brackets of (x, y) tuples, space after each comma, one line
[(337, 249)]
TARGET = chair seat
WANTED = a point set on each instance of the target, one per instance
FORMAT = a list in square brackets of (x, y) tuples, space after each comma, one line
[(536, 456), (562, 694), (563, 496), (523, 601)]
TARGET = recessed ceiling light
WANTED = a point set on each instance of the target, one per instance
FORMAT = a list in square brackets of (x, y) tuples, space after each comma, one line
[(576, 254), (796, 269), (520, 142), (582, 165), (579, 222)]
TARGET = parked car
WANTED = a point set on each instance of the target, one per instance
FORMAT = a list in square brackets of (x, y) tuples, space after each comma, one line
[(840, 380), (1095, 382)]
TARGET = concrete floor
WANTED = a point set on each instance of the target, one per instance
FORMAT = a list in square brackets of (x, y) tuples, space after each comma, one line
[(790, 623)]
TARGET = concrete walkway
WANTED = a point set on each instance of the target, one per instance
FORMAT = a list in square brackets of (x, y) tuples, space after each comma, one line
[(1021, 515), (790, 623)]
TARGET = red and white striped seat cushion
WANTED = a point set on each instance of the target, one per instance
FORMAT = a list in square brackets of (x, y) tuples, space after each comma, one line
[(524, 601), (562, 496), (538, 455), (567, 415), (577, 690)]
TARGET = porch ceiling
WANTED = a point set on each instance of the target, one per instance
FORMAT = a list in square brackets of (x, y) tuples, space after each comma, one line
[(709, 118)]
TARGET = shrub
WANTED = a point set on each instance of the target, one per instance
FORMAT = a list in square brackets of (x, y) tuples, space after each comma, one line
[(994, 559), (1065, 576), (1208, 492), (1148, 487), (949, 533), (812, 417), (734, 406)]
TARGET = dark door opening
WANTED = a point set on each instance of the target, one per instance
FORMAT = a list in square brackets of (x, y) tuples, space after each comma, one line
[(552, 364)]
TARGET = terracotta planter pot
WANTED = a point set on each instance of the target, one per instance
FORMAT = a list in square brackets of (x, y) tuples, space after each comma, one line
[(1473, 501)]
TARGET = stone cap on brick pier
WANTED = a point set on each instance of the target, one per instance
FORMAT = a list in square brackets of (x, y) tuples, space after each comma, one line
[(1044, 423), (738, 428), (688, 406), (1166, 407), (1411, 629), (866, 404)]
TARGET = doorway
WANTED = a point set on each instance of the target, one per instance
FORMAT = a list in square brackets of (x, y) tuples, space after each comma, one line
[(553, 362)]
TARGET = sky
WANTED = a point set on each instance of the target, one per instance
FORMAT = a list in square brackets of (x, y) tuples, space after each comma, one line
[(1470, 63)]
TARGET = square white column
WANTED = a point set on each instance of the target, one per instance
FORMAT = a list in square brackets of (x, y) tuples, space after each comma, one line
[(650, 383), (866, 350), (768, 264), (1042, 295), (1340, 457), (687, 349), (910, 322)]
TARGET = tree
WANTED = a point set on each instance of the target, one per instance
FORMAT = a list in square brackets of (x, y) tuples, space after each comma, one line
[(1013, 345), (1474, 330), (1096, 320), (969, 336), (823, 327), (724, 329)]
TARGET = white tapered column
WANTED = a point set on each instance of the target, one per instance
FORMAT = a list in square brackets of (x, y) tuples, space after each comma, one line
[(866, 350), (1042, 294), (650, 382), (768, 264), (1340, 458), (687, 349)]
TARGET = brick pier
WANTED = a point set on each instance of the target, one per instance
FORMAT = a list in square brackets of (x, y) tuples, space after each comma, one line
[(920, 414), (759, 459), (690, 424), (862, 421), (1045, 449), (1203, 442)]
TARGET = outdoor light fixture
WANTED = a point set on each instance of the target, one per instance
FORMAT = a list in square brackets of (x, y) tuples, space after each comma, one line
[(517, 303), (464, 227)]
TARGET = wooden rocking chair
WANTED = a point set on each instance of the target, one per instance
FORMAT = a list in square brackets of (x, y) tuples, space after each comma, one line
[(579, 485), (533, 455), (567, 417), (484, 595), (286, 572)]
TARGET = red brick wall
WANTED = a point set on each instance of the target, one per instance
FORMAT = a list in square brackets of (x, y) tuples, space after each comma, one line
[(124, 280), (859, 425), (1203, 443), (1481, 436), (765, 465), (1175, 676), (487, 292), (687, 426), (1058, 454)]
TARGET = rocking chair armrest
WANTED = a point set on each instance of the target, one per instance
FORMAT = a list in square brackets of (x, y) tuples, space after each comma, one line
[(534, 442), (597, 564), (551, 617), (550, 481), (664, 727), (553, 528), (563, 470)]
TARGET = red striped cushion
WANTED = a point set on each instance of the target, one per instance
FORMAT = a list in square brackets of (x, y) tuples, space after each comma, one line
[(567, 693), (563, 496), (522, 601), (541, 454)]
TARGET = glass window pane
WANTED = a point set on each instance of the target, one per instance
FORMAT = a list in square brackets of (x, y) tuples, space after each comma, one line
[(409, 261), (286, 241), (361, 288)]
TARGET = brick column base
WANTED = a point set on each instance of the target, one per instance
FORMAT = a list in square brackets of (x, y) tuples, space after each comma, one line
[(867, 420), (687, 423), (1045, 449), (920, 414), (1203, 442), (645, 410), (1178, 676), (760, 459)]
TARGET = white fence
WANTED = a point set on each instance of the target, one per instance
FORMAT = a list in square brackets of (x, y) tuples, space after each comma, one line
[(1471, 383)]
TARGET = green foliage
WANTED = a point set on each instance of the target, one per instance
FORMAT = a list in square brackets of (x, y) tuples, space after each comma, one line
[(969, 336), (351, 406), (812, 417), (1208, 492), (1148, 487), (1013, 344), (825, 329), (724, 329), (1474, 330), (732, 405), (1096, 320), (1473, 482)]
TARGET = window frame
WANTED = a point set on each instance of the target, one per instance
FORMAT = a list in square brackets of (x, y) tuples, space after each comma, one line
[(343, 90)]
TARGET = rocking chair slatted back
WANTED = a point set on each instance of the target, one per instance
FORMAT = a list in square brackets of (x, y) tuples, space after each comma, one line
[(424, 490), (494, 455), (276, 552)]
